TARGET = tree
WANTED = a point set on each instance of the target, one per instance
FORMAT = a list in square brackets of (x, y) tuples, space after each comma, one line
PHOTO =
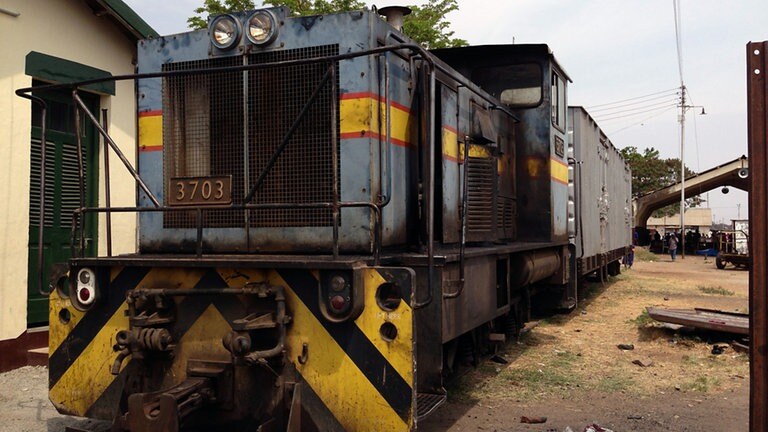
[(216, 7), (426, 24), (650, 173), (317, 7)]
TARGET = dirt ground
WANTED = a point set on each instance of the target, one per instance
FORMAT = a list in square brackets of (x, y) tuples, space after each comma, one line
[(570, 370), (567, 368)]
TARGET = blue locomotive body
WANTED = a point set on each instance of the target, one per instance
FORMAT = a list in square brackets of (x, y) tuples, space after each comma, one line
[(330, 218)]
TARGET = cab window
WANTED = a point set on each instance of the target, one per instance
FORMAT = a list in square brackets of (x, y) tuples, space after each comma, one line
[(558, 101), (517, 85)]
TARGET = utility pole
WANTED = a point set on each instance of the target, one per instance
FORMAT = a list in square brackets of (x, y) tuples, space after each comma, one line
[(682, 168), (681, 118)]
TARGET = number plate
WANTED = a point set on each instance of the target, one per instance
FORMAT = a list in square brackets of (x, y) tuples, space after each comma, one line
[(197, 191)]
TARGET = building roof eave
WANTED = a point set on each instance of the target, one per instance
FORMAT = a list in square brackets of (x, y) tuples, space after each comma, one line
[(131, 24)]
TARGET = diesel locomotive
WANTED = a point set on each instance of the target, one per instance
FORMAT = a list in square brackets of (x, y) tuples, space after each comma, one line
[(330, 219)]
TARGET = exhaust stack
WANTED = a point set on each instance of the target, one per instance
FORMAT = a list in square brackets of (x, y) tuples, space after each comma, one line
[(395, 15)]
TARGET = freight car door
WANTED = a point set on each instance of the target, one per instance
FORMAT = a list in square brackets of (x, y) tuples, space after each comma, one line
[(62, 194)]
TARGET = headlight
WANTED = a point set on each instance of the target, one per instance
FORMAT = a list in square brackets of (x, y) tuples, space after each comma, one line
[(86, 286), (338, 283), (262, 27), (225, 32)]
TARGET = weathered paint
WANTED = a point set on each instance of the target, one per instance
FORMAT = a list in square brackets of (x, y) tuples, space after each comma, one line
[(150, 131), (378, 390), (359, 118), (558, 171), (364, 175)]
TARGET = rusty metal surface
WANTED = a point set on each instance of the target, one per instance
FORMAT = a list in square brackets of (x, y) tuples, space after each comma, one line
[(757, 125), (703, 319)]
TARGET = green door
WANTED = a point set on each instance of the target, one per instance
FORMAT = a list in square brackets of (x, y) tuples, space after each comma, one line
[(62, 190)]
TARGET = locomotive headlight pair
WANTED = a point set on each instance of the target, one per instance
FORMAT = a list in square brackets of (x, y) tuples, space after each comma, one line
[(260, 29)]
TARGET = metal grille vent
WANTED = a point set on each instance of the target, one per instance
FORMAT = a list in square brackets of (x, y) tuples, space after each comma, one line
[(304, 172), (231, 123), (481, 176), (203, 133)]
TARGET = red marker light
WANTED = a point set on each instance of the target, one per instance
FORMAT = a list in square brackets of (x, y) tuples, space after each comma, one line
[(338, 303), (84, 294)]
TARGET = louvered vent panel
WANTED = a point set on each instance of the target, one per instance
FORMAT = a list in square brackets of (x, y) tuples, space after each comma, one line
[(34, 183), (480, 206), (505, 214), (70, 183)]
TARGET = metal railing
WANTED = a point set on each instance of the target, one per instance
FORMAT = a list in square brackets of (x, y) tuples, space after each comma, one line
[(419, 54)]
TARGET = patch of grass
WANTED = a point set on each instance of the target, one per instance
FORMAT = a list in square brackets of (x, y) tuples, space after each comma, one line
[(615, 383), (643, 320), (537, 380), (718, 290), (651, 287), (642, 254), (701, 384), (691, 361), (555, 373)]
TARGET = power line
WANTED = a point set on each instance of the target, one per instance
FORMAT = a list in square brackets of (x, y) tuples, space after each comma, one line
[(591, 107), (696, 135), (637, 113), (678, 39), (661, 96), (640, 109), (641, 121)]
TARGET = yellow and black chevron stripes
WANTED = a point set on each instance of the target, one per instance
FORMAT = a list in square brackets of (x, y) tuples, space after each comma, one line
[(398, 352), (79, 363), (345, 368), (363, 380)]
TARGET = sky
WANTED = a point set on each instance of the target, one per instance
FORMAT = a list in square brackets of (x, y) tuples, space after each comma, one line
[(618, 51)]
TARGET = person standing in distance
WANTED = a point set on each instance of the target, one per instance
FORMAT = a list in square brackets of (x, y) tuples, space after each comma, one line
[(672, 246)]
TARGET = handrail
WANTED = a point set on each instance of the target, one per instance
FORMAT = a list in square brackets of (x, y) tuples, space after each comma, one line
[(41, 207), (115, 148), (79, 213), (429, 62), (417, 49)]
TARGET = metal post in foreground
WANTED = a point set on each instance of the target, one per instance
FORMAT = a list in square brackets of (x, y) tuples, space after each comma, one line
[(757, 105)]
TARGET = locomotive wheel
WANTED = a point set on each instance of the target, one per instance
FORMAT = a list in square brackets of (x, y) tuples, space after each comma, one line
[(614, 268), (719, 262)]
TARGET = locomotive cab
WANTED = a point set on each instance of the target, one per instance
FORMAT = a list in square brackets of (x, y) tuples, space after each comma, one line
[(528, 81)]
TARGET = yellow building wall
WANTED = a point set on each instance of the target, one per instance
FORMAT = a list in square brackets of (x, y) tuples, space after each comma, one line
[(67, 29)]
